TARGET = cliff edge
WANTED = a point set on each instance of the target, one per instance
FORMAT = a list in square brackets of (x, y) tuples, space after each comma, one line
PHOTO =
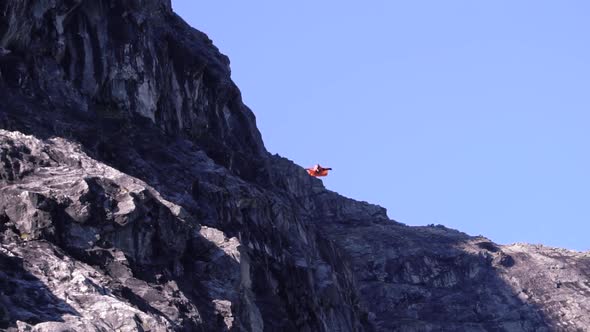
[(137, 195)]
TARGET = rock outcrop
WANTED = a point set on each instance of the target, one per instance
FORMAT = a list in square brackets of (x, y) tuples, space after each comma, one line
[(136, 195)]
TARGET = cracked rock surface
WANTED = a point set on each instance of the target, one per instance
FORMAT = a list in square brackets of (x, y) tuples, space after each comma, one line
[(136, 194)]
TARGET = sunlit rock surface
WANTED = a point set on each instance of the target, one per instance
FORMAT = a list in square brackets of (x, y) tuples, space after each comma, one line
[(136, 195)]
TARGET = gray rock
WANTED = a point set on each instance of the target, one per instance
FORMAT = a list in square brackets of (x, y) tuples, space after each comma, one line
[(136, 195)]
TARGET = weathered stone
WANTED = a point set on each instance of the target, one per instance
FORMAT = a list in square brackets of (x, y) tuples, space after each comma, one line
[(136, 194)]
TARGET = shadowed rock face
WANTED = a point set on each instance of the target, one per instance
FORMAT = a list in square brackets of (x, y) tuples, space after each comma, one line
[(136, 195), (117, 58)]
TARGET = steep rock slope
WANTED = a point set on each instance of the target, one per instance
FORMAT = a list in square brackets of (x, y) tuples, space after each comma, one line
[(136, 194)]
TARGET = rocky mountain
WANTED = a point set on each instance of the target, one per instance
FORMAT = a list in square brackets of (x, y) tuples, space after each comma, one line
[(136, 194)]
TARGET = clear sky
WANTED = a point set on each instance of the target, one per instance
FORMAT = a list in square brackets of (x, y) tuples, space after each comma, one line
[(470, 114)]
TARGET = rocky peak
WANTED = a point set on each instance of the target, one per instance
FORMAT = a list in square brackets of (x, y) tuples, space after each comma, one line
[(136, 195), (119, 59)]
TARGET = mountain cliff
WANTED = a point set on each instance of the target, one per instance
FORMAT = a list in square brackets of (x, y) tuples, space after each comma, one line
[(137, 195)]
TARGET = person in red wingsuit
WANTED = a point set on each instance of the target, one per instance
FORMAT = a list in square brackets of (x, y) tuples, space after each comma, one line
[(318, 170)]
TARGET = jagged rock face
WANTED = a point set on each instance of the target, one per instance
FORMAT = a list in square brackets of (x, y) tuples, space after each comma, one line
[(116, 58), (54, 194), (136, 195), (156, 256)]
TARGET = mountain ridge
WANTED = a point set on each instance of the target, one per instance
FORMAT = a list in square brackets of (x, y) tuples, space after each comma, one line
[(137, 195)]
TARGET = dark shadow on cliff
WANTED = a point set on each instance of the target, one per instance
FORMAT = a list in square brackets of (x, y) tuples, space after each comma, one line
[(26, 298)]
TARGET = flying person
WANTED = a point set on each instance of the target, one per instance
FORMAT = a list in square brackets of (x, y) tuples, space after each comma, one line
[(318, 170)]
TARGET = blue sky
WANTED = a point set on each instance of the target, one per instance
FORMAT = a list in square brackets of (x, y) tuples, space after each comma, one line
[(472, 114)]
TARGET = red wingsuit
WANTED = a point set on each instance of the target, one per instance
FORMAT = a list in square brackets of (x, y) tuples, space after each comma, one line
[(318, 170)]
